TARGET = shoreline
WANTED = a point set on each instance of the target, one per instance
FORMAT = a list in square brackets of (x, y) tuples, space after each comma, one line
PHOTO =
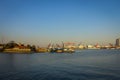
[(31, 52)]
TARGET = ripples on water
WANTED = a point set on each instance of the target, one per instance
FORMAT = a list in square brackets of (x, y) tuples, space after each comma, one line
[(82, 65)]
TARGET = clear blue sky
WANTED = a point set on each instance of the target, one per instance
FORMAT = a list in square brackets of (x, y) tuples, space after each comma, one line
[(42, 21)]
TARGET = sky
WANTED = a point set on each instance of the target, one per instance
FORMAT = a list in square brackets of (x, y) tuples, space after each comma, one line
[(41, 22)]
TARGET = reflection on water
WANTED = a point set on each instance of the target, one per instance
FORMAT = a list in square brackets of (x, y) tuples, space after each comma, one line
[(82, 65)]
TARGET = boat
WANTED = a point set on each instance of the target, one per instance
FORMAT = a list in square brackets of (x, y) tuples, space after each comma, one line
[(59, 49), (69, 50)]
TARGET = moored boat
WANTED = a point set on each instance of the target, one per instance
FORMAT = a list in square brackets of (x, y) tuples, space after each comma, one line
[(59, 49)]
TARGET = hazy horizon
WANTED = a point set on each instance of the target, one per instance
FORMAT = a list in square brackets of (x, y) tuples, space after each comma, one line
[(41, 22)]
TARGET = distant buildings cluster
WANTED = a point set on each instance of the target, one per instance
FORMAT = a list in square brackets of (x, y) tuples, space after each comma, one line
[(97, 46), (94, 46)]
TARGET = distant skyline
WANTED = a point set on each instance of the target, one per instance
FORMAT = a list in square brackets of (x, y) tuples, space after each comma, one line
[(41, 22)]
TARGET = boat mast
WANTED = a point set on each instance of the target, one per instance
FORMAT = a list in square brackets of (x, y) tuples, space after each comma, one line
[(62, 45)]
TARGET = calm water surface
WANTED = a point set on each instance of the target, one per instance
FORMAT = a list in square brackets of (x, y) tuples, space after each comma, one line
[(82, 65)]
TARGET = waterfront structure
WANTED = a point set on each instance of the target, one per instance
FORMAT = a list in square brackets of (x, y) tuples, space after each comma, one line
[(118, 42), (93, 46), (69, 45), (61, 49), (81, 47), (16, 49), (90, 46), (97, 46), (41, 50)]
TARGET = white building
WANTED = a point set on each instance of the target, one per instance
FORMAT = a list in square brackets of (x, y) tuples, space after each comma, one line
[(81, 47)]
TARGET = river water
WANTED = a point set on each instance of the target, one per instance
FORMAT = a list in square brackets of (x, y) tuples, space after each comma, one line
[(82, 65)]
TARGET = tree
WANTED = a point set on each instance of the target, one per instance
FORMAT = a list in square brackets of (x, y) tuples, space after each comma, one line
[(11, 44), (33, 48)]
